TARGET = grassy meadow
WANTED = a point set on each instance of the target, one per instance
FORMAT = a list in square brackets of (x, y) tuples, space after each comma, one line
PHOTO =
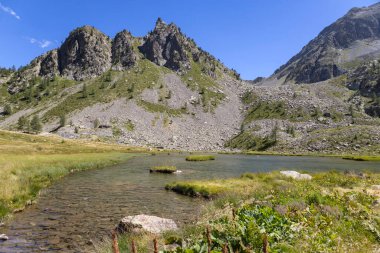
[(29, 163), (332, 212)]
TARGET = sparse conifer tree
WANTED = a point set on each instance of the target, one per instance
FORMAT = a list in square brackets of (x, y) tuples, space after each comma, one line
[(7, 109), (96, 123), (84, 91), (35, 124), (62, 120), (23, 123)]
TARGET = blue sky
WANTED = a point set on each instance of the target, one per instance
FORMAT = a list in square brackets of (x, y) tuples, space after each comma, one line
[(252, 36)]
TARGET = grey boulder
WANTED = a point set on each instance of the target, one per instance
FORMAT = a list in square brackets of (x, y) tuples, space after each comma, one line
[(140, 223), (295, 175)]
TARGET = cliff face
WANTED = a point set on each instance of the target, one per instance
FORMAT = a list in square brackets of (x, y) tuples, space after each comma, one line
[(165, 47), (85, 53), (88, 53), (123, 56), (49, 64), (324, 57)]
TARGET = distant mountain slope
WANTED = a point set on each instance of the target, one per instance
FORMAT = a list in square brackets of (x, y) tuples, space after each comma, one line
[(160, 90), (352, 37), (163, 90)]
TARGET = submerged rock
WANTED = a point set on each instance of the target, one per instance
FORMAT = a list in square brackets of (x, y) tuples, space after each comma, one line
[(3, 237), (152, 224), (296, 175)]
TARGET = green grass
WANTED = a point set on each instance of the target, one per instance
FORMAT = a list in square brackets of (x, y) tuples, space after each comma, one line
[(207, 190), (13, 143), (163, 169), (129, 126), (248, 141), (129, 84), (205, 85), (160, 108), (39, 93), (333, 212), (30, 163), (266, 110), (23, 176), (198, 158), (362, 158), (274, 110)]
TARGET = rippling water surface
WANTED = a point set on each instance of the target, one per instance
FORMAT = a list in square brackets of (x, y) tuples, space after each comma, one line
[(84, 207)]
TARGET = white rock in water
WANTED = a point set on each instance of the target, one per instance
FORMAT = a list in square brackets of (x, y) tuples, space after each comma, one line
[(296, 175), (3, 237), (152, 224)]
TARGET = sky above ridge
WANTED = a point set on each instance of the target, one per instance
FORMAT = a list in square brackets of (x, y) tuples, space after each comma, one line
[(255, 37)]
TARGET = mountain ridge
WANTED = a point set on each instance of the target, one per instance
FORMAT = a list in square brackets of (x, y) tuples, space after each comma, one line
[(162, 90), (88, 53), (322, 58)]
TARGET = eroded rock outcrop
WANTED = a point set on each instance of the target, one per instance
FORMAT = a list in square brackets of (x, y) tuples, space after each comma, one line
[(49, 64), (86, 53), (366, 79), (165, 46), (123, 56)]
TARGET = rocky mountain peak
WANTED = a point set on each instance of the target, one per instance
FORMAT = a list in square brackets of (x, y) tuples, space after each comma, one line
[(165, 46), (88, 53), (160, 24), (341, 42), (123, 55), (85, 53)]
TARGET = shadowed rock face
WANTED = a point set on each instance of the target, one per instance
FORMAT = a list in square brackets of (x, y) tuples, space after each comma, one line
[(49, 64), (123, 56), (165, 47), (366, 79), (85, 53), (318, 60)]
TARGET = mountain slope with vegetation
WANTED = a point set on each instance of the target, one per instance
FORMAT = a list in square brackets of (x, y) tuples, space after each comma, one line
[(159, 91), (325, 99), (163, 90)]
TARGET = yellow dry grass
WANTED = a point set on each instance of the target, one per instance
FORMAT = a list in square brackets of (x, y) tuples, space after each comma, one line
[(29, 163)]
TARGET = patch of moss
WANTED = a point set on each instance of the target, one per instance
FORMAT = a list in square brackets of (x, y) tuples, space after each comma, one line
[(163, 169), (198, 158), (160, 108), (362, 158), (129, 126)]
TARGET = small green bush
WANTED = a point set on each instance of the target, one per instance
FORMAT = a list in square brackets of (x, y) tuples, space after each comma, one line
[(8, 109)]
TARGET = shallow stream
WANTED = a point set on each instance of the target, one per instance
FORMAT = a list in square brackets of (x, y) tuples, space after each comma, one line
[(84, 207)]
